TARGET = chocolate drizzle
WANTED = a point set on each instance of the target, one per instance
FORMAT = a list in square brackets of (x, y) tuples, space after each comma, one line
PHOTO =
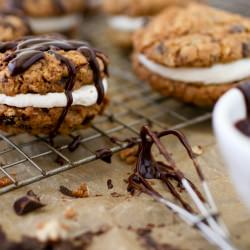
[(244, 125), (30, 50), (148, 168)]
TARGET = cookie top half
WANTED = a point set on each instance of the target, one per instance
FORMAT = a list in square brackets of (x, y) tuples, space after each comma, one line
[(44, 8), (49, 64), (139, 7), (196, 36)]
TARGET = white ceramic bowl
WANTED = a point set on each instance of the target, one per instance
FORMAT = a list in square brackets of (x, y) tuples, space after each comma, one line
[(234, 146)]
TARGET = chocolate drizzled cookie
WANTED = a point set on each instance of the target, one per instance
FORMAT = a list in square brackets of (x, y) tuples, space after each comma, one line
[(35, 68)]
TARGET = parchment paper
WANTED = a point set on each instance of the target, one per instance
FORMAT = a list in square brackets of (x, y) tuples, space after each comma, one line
[(126, 212)]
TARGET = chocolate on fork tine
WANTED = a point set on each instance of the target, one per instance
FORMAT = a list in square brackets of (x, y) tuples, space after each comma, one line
[(191, 219), (204, 207), (207, 221), (210, 203)]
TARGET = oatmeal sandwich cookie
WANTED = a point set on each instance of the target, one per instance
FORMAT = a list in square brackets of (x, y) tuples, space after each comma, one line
[(194, 54), (50, 86), (49, 16), (13, 25), (126, 16)]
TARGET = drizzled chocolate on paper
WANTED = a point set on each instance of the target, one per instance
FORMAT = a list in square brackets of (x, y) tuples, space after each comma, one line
[(30, 50), (244, 125), (148, 168)]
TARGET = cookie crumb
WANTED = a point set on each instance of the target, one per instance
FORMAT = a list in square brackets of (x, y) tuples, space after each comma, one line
[(5, 181), (129, 155), (197, 150), (52, 231), (70, 213), (80, 192)]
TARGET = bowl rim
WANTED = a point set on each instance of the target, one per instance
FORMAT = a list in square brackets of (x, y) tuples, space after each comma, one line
[(221, 117)]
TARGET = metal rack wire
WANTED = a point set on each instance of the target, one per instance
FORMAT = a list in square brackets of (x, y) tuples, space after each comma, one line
[(26, 159)]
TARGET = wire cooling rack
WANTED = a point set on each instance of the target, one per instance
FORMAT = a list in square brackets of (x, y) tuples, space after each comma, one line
[(25, 159)]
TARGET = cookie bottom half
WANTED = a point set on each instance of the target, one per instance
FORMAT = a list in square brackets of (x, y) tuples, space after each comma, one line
[(43, 121), (198, 94)]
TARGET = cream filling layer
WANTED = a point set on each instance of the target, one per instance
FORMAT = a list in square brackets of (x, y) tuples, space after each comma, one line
[(217, 74), (126, 23), (85, 96), (51, 24)]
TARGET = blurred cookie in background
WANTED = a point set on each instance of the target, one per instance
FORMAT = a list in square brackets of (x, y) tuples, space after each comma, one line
[(194, 54), (127, 16), (49, 16), (13, 25)]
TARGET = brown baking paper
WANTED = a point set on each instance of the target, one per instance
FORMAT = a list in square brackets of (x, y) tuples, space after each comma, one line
[(122, 213)]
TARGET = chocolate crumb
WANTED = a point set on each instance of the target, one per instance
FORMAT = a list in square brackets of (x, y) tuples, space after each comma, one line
[(111, 118), (74, 145), (104, 154), (80, 192), (110, 184), (125, 181), (98, 195), (27, 204), (59, 160), (116, 195), (144, 235)]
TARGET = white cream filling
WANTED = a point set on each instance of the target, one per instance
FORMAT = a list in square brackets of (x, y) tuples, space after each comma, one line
[(51, 24), (85, 96), (126, 23), (217, 74)]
